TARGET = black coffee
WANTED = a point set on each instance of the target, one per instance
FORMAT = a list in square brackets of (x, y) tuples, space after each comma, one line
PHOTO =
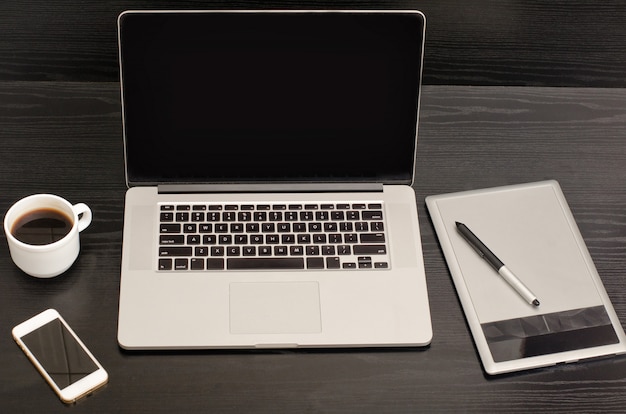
[(43, 226)]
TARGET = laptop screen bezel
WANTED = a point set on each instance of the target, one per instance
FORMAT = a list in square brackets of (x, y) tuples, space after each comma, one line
[(135, 180)]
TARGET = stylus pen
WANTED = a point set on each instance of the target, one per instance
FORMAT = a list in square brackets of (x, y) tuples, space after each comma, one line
[(497, 264)]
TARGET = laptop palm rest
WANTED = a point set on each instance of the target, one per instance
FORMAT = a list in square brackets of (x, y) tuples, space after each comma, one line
[(275, 308)]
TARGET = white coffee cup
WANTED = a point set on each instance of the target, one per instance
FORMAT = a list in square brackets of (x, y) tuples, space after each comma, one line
[(53, 258)]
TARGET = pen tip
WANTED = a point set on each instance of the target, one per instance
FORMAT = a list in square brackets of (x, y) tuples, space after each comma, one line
[(536, 302)]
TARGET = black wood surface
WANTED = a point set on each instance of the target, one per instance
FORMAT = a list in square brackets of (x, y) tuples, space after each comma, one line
[(65, 138), (480, 42)]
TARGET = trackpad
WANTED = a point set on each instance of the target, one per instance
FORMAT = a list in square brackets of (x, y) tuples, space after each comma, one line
[(275, 308)]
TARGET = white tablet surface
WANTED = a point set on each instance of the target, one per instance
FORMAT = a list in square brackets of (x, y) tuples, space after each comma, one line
[(530, 228)]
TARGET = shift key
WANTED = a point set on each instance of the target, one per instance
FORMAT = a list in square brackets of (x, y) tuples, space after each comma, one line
[(173, 251), (369, 249)]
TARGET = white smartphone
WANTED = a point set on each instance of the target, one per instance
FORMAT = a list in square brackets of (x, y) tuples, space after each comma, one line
[(60, 356)]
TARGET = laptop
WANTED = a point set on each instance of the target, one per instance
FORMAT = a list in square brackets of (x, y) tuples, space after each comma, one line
[(269, 157)]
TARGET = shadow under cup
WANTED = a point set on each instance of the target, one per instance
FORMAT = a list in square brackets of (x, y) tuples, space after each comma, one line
[(42, 232)]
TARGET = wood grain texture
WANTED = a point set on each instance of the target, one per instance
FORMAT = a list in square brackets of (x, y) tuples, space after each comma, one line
[(483, 42), (65, 138)]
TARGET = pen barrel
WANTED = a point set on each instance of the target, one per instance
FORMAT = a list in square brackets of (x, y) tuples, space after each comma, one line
[(480, 247), (517, 284)]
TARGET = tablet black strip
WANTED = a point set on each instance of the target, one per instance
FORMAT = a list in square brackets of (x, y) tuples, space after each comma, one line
[(550, 333)]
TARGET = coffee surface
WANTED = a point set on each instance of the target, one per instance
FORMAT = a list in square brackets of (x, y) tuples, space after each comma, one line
[(42, 226)]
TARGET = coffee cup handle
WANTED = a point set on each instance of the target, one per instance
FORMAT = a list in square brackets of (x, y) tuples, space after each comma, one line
[(84, 215)]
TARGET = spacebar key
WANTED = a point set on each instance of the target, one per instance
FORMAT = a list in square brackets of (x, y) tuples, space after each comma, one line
[(266, 263)]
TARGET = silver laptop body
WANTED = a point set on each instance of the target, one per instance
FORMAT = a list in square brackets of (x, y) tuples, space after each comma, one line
[(269, 157)]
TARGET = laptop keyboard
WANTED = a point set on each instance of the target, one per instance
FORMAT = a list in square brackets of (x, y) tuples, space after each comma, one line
[(313, 236)]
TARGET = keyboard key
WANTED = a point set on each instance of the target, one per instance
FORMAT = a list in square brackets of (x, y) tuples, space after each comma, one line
[(335, 238), (182, 217), (337, 215), (280, 250), (369, 249), (165, 264), (319, 238), (296, 250), (265, 263), (312, 250), (372, 215), (171, 239), (170, 228), (322, 215), (298, 227), (175, 251), (333, 263), (196, 216), (344, 250), (276, 216), (353, 215), (291, 216), (181, 264), (372, 238), (215, 264), (328, 250), (287, 239), (193, 239), (351, 238), (330, 227), (315, 263), (197, 264)]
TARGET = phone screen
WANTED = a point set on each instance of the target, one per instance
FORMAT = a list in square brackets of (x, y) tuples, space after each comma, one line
[(59, 353)]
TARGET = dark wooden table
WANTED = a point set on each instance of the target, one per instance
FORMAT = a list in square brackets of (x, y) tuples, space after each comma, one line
[(65, 138)]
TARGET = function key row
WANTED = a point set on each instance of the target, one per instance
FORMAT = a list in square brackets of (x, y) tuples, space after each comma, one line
[(267, 207), (261, 216)]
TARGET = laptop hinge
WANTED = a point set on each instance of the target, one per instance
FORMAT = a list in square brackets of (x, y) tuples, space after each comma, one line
[(270, 188)]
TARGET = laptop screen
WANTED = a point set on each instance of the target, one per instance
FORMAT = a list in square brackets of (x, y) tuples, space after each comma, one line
[(229, 97)]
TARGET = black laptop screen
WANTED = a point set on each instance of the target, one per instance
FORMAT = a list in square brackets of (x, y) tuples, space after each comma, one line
[(225, 97)]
